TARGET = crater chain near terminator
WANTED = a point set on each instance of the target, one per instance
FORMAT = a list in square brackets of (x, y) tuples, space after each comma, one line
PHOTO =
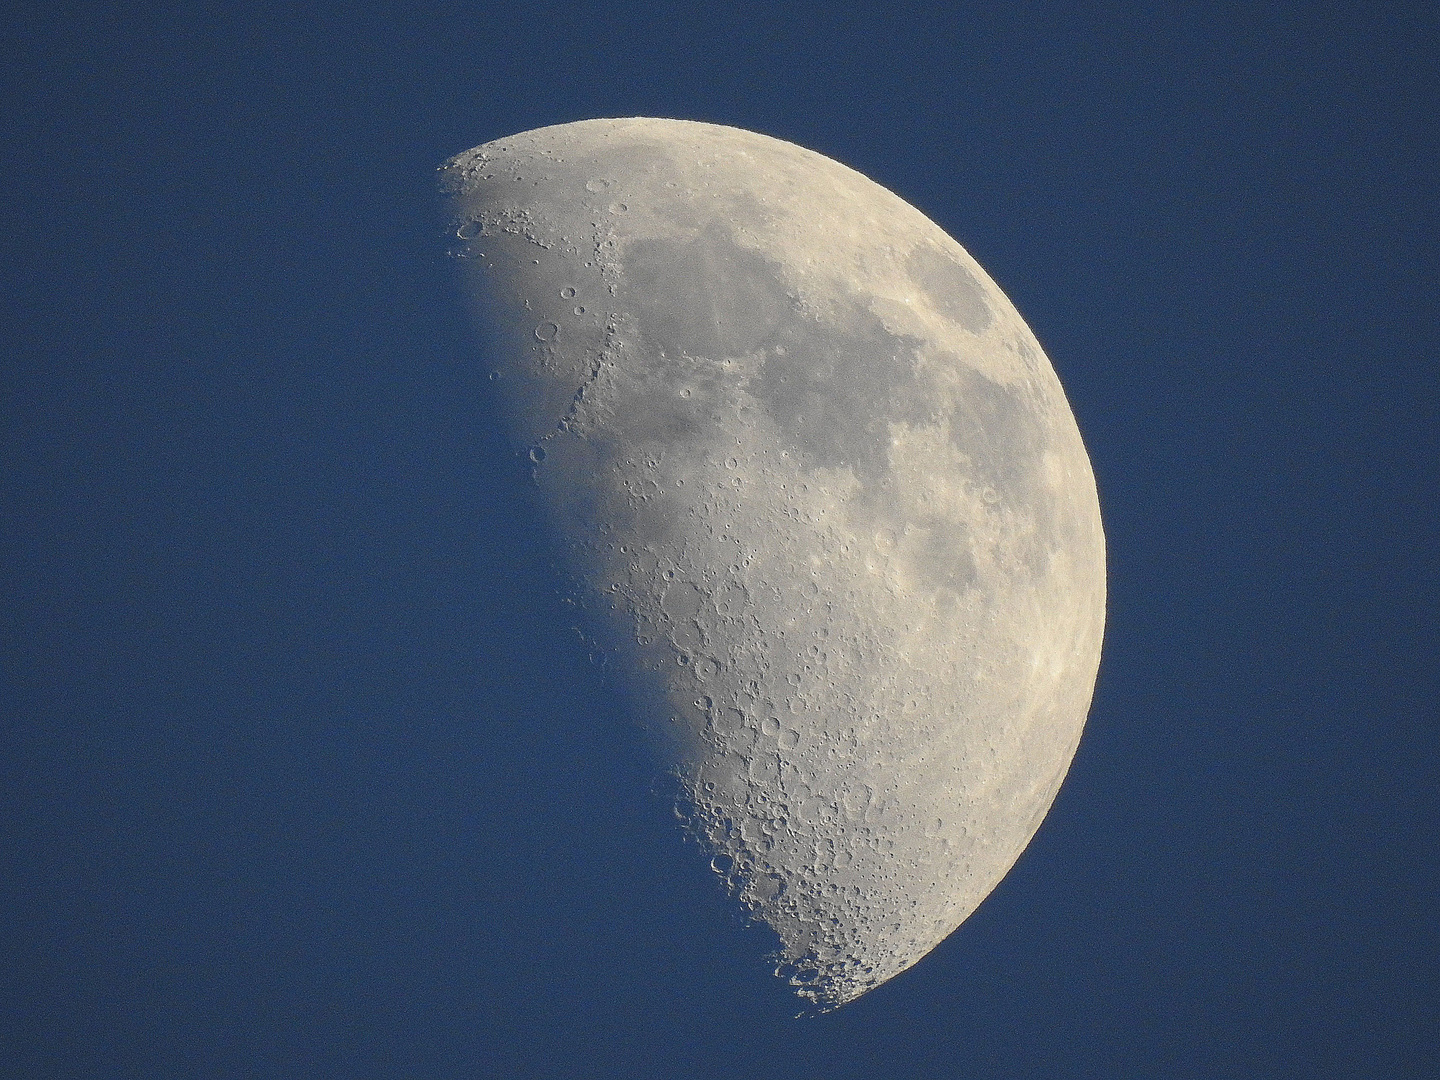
[(824, 503)]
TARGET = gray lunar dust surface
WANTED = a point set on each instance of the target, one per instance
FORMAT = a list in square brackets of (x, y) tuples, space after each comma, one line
[(823, 500)]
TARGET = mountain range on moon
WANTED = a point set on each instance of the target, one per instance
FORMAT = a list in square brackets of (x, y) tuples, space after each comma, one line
[(824, 505)]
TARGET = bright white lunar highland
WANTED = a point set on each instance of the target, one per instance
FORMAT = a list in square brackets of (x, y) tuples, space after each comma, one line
[(824, 501)]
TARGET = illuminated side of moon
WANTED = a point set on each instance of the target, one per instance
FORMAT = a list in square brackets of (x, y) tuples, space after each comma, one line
[(825, 504)]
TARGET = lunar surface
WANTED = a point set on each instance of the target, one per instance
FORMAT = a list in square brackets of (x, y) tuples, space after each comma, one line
[(824, 504)]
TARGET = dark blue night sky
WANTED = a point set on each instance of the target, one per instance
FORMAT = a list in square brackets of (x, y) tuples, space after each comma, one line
[(303, 774)]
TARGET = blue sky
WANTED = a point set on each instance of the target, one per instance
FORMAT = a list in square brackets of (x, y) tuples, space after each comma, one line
[(302, 773)]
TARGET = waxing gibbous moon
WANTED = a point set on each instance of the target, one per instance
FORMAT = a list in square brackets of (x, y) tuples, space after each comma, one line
[(824, 504)]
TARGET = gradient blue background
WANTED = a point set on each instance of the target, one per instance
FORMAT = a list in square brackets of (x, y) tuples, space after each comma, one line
[(301, 772)]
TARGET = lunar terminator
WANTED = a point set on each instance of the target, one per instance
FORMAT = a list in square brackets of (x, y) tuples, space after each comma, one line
[(823, 500)]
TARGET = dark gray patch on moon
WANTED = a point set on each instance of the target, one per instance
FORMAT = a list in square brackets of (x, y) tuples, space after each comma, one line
[(943, 558), (998, 428), (950, 288), (832, 384), (836, 386), (703, 296)]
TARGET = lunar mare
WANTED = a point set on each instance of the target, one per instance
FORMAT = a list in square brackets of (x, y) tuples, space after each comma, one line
[(824, 503)]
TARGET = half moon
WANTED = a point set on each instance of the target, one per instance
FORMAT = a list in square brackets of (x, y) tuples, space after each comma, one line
[(824, 503)]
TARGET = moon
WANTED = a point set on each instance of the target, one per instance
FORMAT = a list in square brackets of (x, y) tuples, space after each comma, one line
[(825, 506)]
